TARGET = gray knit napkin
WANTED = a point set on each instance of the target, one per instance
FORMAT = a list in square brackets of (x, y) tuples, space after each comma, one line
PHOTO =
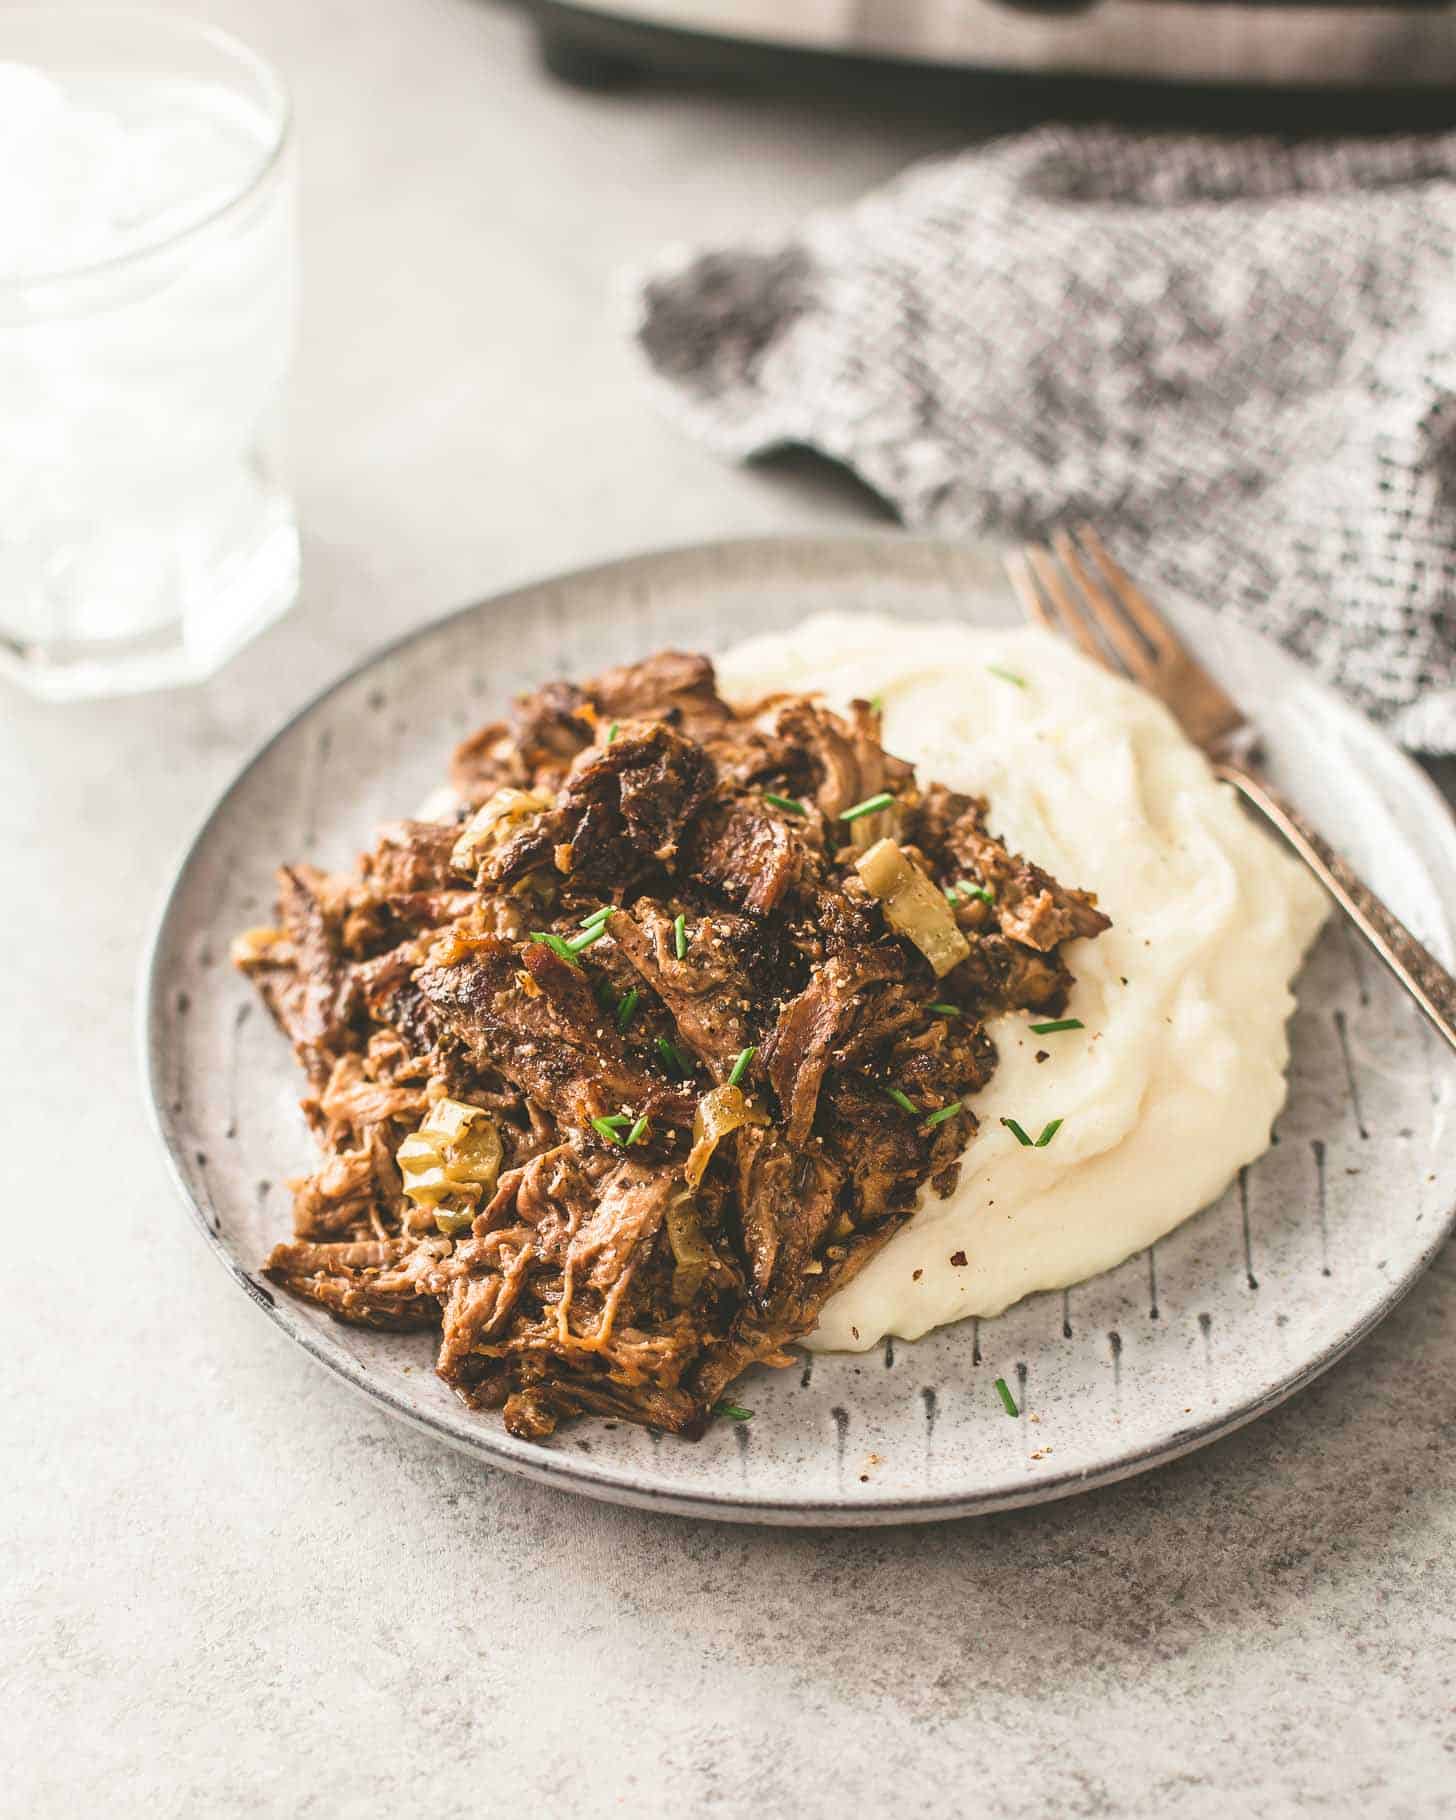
[(1238, 358)]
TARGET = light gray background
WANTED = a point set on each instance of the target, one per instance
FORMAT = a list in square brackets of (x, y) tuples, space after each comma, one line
[(232, 1588)]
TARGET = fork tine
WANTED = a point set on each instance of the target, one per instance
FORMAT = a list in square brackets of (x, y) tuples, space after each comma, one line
[(1063, 615), (1104, 608), (1134, 603), (1035, 608)]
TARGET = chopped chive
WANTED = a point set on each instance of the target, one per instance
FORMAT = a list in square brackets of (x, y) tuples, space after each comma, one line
[(945, 1010), (735, 1412), (612, 731), (952, 896), (626, 1005), (902, 1100), (980, 891), (870, 806), (673, 1056), (1060, 1023), (740, 1064), (599, 915), (946, 1112), (680, 936), (555, 944), (1016, 1132), (638, 1131), (1007, 675), (586, 938), (792, 804), (1008, 1402), (608, 1128), (1051, 1131)]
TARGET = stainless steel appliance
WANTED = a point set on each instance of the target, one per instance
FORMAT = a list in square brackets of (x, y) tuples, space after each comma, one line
[(1261, 44)]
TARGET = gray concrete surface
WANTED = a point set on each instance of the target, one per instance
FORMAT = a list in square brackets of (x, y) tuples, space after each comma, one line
[(230, 1589)]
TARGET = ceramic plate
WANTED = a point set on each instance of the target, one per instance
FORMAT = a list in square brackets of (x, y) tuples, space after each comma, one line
[(1217, 1323)]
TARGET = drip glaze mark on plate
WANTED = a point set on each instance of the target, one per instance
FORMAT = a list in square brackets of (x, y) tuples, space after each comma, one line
[(1252, 1280), (240, 1018), (1344, 1036), (1317, 1145), (841, 1432), (1066, 1314), (889, 1351), (1152, 1284), (1355, 952), (314, 787)]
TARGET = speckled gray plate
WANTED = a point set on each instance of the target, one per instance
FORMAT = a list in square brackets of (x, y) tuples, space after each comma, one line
[(1219, 1322)]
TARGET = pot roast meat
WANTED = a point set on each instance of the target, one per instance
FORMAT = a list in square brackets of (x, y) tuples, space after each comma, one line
[(619, 813), (545, 1033), (657, 926)]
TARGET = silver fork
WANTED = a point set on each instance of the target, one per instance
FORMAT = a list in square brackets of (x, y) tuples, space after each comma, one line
[(1076, 590)]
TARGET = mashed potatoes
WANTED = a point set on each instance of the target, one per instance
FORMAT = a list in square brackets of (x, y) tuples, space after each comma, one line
[(1178, 1075)]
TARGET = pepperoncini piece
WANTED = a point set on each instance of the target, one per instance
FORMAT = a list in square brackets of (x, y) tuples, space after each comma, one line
[(451, 1163)]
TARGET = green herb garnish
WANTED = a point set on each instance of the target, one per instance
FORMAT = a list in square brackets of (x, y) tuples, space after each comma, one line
[(946, 1112), (870, 806), (1007, 675), (557, 946), (626, 1005), (638, 1131), (945, 1010), (877, 703), (735, 1412), (980, 891), (952, 896), (1008, 1402), (586, 938), (673, 1056), (612, 731), (902, 1100), (1049, 1131), (611, 1128), (599, 915), (680, 936), (740, 1064), (792, 804), (1060, 1023)]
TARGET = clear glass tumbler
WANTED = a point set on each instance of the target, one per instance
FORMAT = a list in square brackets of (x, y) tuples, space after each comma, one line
[(147, 304)]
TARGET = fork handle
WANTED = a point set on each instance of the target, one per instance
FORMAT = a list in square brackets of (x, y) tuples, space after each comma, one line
[(1417, 969)]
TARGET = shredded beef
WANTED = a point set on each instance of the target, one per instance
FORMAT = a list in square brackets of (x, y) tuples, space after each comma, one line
[(658, 930)]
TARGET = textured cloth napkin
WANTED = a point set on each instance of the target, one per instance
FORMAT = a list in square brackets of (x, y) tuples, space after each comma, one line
[(1238, 358)]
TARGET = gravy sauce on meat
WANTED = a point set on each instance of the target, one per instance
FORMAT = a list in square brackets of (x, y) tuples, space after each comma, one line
[(625, 1070)]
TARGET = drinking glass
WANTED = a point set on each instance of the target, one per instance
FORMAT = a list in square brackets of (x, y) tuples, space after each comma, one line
[(147, 302)]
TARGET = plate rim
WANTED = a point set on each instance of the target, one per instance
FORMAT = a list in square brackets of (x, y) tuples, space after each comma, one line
[(586, 1476)]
